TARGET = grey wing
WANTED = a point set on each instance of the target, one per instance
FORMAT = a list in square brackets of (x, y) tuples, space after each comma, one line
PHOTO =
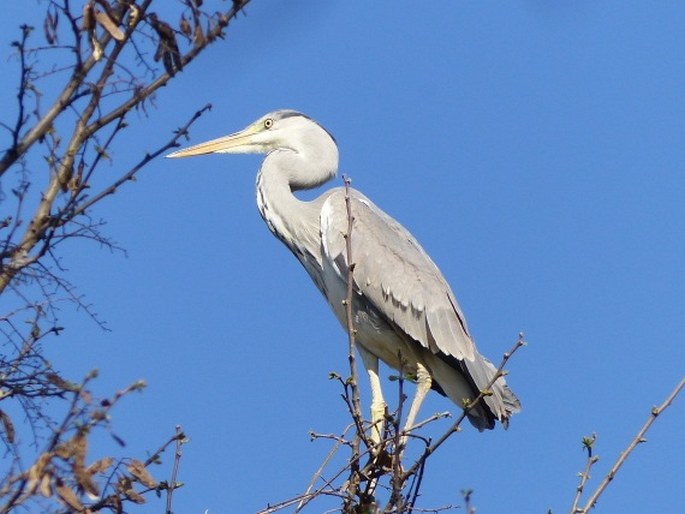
[(396, 275)]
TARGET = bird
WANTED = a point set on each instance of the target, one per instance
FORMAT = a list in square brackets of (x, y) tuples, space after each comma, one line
[(404, 311)]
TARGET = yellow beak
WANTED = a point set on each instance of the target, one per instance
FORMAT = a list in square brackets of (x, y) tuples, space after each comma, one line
[(240, 142)]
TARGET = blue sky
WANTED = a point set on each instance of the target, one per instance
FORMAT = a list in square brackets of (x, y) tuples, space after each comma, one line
[(536, 151)]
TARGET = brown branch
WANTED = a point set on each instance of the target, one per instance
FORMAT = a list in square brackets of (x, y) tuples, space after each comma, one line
[(396, 480), (43, 223), (39, 130), (351, 334), (172, 143), (434, 417), (23, 83), (351, 331), (639, 438), (215, 33), (339, 441), (33, 235)]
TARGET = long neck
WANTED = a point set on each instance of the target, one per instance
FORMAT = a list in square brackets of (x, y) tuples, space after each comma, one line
[(293, 221)]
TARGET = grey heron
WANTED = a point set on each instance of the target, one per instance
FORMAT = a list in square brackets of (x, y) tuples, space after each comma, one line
[(404, 311)]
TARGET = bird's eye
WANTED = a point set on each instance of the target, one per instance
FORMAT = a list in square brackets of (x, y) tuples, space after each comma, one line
[(268, 123)]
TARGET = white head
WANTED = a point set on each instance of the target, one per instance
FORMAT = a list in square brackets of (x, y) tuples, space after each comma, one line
[(293, 142)]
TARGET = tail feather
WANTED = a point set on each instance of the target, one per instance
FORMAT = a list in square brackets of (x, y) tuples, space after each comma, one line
[(502, 402), (464, 379)]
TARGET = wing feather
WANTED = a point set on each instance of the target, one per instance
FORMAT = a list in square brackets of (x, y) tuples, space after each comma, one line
[(395, 274)]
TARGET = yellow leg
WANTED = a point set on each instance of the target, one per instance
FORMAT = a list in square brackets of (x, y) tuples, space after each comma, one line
[(378, 405), (423, 385)]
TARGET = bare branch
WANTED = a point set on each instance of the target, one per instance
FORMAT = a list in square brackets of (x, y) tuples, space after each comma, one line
[(588, 442), (456, 426), (109, 72), (353, 482), (172, 143), (638, 439), (173, 485)]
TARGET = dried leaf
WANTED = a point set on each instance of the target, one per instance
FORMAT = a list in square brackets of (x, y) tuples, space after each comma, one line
[(178, 61), (49, 29), (8, 426), (79, 446), (223, 21), (97, 48), (55, 19), (37, 471), (86, 397), (162, 28), (118, 439), (88, 18), (185, 27), (210, 30), (87, 483), (133, 15), (100, 466), (134, 496), (63, 451), (59, 382), (108, 24), (168, 64), (116, 502), (159, 53), (167, 47), (98, 415), (44, 487), (199, 38), (68, 496), (140, 472), (74, 184)]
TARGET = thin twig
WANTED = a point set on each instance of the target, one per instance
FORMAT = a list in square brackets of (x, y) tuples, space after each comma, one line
[(434, 417), (588, 442), (351, 333), (339, 441), (396, 481), (639, 438), (172, 143), (174, 472), (469, 509), (456, 426), (82, 69)]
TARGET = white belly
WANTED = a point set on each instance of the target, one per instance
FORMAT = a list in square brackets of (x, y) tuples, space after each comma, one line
[(374, 334)]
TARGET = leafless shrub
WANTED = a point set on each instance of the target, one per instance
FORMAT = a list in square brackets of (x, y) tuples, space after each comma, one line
[(83, 68)]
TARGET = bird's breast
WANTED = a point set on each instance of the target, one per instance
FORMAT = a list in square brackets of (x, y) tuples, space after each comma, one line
[(373, 332)]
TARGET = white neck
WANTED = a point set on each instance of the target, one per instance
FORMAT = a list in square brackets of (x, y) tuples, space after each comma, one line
[(293, 221)]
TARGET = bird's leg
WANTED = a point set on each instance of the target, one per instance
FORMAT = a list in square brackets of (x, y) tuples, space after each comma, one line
[(378, 406), (423, 385)]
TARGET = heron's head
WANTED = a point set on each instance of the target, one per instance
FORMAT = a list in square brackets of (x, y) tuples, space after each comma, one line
[(278, 130)]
